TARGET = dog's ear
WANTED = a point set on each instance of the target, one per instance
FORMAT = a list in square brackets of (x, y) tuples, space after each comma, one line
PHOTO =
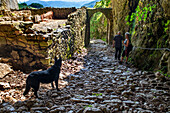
[(60, 57), (58, 62), (55, 58)]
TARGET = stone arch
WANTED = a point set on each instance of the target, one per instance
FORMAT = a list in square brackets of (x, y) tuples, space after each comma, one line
[(108, 13)]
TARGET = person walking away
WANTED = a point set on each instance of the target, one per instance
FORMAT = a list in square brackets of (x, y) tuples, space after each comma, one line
[(117, 43), (126, 43)]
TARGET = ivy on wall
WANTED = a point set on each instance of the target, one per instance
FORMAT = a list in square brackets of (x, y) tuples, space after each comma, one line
[(141, 14)]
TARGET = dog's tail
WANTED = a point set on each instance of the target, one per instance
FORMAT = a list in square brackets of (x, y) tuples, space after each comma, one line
[(28, 86)]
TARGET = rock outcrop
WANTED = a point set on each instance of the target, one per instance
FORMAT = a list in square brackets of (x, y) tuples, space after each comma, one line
[(8, 4), (120, 11), (152, 31)]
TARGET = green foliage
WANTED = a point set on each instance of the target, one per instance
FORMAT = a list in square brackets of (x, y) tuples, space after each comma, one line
[(104, 39), (13, 14), (36, 5), (96, 94), (103, 4), (166, 25), (140, 14), (88, 106), (130, 59), (23, 6), (165, 74), (98, 22), (32, 6)]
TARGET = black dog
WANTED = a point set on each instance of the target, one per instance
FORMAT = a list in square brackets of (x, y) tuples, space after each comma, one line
[(47, 76)]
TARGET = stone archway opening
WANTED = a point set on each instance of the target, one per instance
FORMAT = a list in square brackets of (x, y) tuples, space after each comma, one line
[(108, 13), (99, 26)]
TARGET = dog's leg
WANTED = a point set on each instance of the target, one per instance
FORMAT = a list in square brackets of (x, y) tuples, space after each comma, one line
[(56, 84), (35, 93), (36, 87), (27, 89), (52, 85)]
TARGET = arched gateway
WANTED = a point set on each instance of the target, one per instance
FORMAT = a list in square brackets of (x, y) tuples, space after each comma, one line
[(108, 13)]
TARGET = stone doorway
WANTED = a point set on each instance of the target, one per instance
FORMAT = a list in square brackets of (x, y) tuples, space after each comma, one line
[(108, 13)]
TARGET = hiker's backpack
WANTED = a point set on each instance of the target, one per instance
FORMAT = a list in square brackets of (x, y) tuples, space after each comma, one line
[(130, 47)]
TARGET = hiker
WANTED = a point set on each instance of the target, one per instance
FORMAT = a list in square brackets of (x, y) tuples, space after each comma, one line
[(117, 43), (126, 43)]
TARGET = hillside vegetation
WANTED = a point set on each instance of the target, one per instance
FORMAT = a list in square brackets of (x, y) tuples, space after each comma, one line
[(31, 6), (98, 23), (91, 4)]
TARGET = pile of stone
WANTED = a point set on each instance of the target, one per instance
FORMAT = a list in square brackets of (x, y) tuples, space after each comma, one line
[(24, 15)]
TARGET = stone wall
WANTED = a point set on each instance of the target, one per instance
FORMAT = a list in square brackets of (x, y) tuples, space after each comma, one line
[(59, 13), (23, 52), (28, 52), (78, 20), (8, 4), (8, 15)]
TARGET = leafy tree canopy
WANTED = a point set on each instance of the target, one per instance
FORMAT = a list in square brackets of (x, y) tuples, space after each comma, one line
[(24, 4), (36, 5)]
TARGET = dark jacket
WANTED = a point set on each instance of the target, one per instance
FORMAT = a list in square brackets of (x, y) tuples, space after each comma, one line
[(118, 41)]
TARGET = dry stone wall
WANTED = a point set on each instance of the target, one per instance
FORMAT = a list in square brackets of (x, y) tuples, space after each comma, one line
[(23, 52), (23, 15), (59, 13), (78, 20), (29, 52), (27, 49)]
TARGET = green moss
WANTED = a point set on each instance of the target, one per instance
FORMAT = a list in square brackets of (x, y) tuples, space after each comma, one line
[(49, 42), (104, 39)]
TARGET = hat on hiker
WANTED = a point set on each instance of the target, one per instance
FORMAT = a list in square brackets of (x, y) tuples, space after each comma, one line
[(127, 33)]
